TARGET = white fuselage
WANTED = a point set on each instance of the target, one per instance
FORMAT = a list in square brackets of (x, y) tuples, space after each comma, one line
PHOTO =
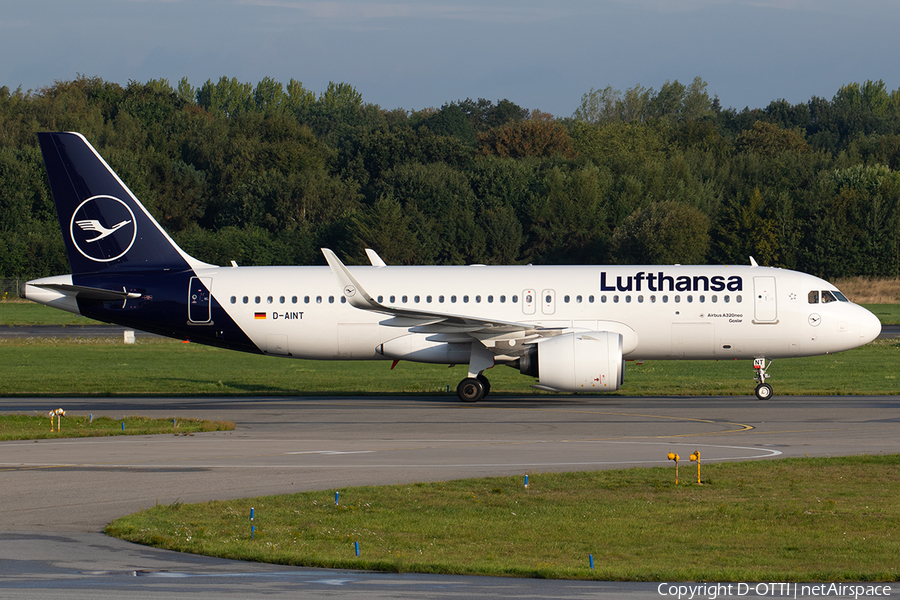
[(662, 312)]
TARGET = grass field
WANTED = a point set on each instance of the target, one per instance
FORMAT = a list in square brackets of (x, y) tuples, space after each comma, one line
[(39, 427), (98, 366), (23, 312), (813, 519)]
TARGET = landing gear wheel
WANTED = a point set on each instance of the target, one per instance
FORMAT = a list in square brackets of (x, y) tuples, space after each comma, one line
[(470, 389), (485, 384), (764, 391)]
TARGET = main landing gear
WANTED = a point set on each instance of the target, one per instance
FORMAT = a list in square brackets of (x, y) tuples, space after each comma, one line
[(763, 389), (473, 389), (476, 386)]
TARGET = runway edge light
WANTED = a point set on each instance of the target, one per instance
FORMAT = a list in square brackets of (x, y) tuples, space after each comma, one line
[(695, 457), (675, 457)]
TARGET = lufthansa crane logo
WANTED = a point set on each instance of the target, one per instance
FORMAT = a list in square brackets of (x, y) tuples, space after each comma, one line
[(103, 228)]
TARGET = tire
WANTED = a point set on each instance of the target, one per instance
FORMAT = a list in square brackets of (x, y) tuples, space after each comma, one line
[(484, 384), (470, 390), (764, 391)]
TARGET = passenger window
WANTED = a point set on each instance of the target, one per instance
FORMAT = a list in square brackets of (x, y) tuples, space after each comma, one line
[(257, 299), (603, 299), (727, 298), (677, 299), (234, 299), (269, 300), (393, 299), (441, 299), (640, 298), (478, 299), (702, 298), (428, 299), (343, 300), (305, 299), (738, 298), (416, 299), (404, 299), (293, 299), (453, 299), (515, 299), (591, 298), (628, 298), (665, 299), (318, 299), (652, 299), (828, 297), (616, 298), (380, 299), (466, 298), (246, 299), (502, 299), (715, 299), (281, 299), (565, 298), (814, 297), (490, 299)]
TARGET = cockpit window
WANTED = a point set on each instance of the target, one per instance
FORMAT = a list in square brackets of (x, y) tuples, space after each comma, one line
[(840, 296), (814, 297), (828, 297)]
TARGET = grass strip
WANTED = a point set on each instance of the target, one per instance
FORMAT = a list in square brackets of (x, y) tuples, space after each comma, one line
[(24, 312), (108, 367), (37, 427), (797, 519), (888, 314)]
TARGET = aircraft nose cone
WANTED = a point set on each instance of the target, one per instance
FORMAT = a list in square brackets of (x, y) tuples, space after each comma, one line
[(869, 328)]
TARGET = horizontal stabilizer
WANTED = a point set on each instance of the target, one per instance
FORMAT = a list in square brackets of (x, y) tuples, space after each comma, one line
[(87, 293)]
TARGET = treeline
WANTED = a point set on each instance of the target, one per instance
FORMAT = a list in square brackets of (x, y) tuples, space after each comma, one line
[(268, 174)]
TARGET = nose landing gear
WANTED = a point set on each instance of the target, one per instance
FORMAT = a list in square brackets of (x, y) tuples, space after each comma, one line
[(763, 390)]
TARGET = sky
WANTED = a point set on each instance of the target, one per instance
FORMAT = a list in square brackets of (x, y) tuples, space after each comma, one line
[(427, 53)]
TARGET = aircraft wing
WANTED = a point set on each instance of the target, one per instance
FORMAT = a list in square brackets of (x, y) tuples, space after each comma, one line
[(422, 321)]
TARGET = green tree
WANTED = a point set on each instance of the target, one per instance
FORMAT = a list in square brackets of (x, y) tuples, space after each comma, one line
[(568, 217), (662, 233), (384, 228), (524, 139), (769, 139)]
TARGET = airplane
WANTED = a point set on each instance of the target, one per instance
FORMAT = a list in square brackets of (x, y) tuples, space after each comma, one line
[(571, 327)]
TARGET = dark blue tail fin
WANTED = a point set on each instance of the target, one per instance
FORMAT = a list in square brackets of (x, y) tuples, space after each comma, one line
[(104, 226)]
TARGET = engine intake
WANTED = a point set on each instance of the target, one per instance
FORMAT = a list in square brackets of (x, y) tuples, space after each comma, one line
[(577, 362)]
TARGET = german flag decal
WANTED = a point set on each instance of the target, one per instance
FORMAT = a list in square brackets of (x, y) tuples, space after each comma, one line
[(261, 315)]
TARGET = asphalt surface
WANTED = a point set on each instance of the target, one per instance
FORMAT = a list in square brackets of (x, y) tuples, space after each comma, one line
[(56, 496)]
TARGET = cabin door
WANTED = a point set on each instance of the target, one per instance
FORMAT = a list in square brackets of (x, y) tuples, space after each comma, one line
[(765, 309), (199, 300)]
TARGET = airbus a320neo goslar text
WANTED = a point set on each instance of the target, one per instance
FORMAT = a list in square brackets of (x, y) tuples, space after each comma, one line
[(570, 327)]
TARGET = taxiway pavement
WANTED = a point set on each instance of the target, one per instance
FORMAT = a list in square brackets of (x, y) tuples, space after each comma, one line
[(57, 495)]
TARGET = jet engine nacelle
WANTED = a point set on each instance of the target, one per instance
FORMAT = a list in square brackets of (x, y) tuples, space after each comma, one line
[(577, 362)]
